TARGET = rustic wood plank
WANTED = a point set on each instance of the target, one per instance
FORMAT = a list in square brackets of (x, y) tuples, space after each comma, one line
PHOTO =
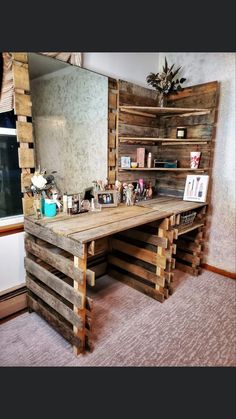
[(112, 120), (98, 246), (112, 100), (194, 260), (139, 286), (117, 226), (111, 140), (26, 157), (185, 229), (99, 269), (139, 253), (28, 205), (189, 269), (54, 319), (20, 56), (58, 261), (154, 110), (112, 176), (137, 131), (24, 131), (189, 246), (136, 270), (70, 245), (90, 220), (146, 237), (81, 263), (53, 282), (111, 158), (21, 76), (90, 277), (23, 104), (53, 302), (25, 181)]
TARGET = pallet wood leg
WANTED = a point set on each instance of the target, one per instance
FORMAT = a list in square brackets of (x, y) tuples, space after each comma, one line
[(80, 263), (165, 231)]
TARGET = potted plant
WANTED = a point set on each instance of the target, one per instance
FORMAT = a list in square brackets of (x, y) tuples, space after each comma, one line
[(164, 82)]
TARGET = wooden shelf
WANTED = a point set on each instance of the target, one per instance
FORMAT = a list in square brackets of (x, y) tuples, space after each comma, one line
[(175, 169), (153, 111), (186, 229), (165, 141)]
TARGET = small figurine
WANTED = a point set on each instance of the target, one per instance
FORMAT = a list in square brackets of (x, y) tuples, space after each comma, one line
[(149, 191), (128, 189)]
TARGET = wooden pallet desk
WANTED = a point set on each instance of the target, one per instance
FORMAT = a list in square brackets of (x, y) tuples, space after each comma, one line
[(58, 253), (137, 245)]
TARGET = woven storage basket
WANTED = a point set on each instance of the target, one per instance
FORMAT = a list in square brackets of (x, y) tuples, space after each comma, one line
[(187, 219)]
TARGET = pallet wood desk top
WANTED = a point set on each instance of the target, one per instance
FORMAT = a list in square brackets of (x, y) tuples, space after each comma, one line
[(86, 227), (173, 205)]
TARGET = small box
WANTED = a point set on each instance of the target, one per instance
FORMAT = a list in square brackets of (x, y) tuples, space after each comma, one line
[(125, 162), (141, 156), (167, 164)]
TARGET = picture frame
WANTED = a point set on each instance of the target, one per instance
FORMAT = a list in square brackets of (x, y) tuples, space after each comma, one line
[(125, 162), (107, 198), (196, 187)]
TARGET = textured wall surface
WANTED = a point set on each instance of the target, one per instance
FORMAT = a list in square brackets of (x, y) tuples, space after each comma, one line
[(201, 68), (70, 122)]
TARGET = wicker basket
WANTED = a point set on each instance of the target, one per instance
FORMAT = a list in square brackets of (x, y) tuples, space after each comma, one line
[(187, 218)]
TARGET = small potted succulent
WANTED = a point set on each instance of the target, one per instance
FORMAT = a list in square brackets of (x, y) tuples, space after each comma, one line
[(164, 82)]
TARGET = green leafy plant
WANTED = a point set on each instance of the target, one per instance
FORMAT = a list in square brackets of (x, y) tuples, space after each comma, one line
[(165, 81)]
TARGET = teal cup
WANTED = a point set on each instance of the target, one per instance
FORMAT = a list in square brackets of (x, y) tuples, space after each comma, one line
[(50, 209)]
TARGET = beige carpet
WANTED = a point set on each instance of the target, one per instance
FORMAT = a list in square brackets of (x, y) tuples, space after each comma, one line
[(194, 327)]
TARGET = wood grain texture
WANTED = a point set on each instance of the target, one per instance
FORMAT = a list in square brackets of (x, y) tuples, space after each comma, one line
[(53, 318), (23, 104), (21, 76), (70, 245), (24, 132), (20, 56), (53, 302), (139, 286), (58, 261), (137, 270), (26, 157), (139, 253), (117, 226), (53, 282)]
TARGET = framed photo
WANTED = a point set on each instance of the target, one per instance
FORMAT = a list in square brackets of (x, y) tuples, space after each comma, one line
[(125, 162), (196, 188), (107, 198)]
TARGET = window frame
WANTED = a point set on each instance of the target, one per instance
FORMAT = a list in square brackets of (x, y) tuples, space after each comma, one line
[(14, 223)]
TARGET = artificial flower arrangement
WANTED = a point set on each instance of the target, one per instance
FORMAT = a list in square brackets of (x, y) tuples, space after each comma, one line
[(44, 189), (164, 82)]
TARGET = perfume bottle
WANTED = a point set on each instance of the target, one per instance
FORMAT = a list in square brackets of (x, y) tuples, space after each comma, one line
[(149, 160)]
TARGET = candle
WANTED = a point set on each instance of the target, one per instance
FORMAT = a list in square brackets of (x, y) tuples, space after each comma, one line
[(181, 132)]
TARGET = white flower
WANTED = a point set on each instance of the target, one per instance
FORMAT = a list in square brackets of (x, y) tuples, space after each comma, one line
[(38, 181)]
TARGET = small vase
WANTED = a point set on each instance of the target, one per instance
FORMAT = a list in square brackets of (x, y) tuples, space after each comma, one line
[(161, 100)]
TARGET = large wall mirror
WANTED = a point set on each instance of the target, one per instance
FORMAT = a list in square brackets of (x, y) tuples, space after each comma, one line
[(70, 121)]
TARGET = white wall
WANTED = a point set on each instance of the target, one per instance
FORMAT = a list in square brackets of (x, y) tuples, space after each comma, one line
[(133, 67), (201, 68), (12, 271)]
